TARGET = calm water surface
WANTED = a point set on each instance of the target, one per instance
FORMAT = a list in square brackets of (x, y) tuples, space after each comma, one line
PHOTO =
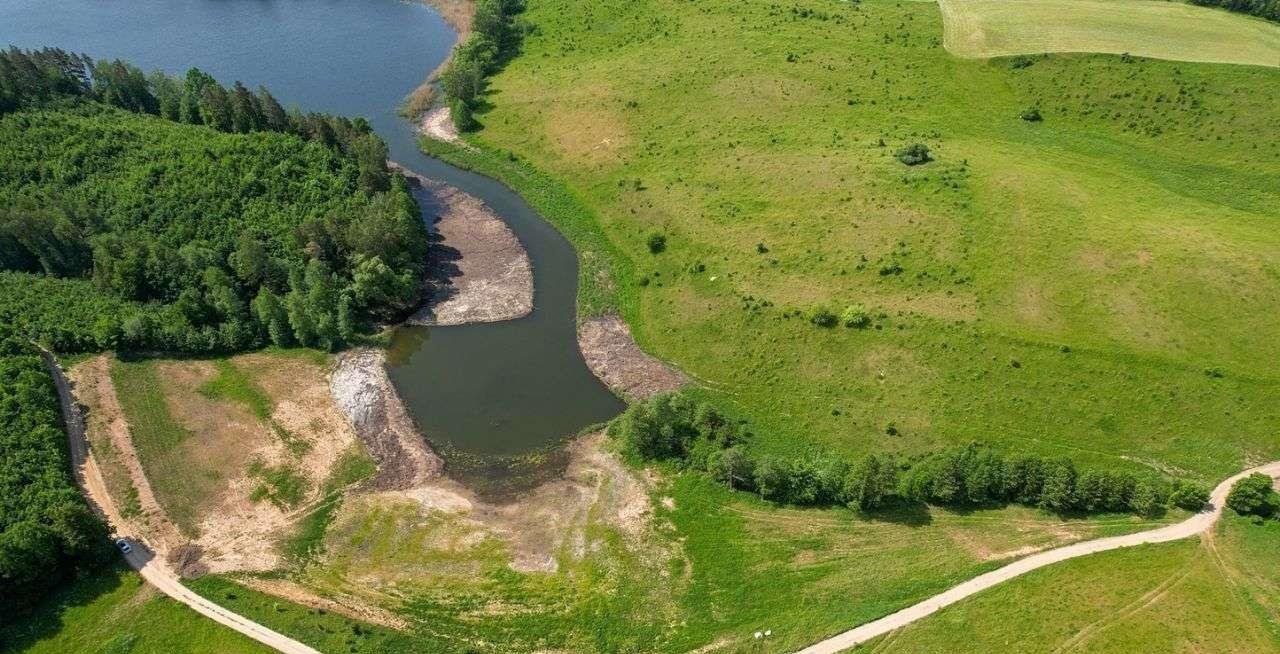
[(499, 389)]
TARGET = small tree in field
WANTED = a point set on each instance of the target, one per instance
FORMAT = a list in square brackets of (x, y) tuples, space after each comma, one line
[(914, 154)]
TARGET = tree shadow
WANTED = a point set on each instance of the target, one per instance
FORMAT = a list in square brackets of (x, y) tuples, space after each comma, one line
[(27, 626), (910, 514)]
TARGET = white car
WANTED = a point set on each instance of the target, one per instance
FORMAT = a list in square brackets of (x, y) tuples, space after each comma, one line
[(124, 546)]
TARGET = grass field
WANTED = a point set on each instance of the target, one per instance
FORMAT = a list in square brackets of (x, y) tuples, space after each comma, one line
[(114, 612), (1098, 284), (1177, 597), (1144, 28), (722, 566)]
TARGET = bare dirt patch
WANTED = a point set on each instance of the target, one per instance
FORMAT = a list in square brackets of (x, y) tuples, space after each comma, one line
[(612, 355), (479, 271), (438, 124), (363, 393)]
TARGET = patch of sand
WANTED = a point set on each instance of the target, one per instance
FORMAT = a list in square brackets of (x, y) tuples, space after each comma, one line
[(613, 356), (478, 270), (438, 124), (364, 395)]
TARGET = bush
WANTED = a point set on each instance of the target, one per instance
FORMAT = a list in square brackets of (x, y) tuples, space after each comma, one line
[(1031, 115), (1254, 495), (657, 243), (914, 154), (1189, 496), (821, 316), (855, 317)]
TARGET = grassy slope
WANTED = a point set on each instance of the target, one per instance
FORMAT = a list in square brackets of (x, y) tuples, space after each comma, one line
[(723, 566), (1134, 225), (1176, 597), (114, 612), (989, 28)]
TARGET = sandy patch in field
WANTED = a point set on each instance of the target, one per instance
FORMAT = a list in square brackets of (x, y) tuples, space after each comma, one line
[(614, 357), (235, 532), (591, 133)]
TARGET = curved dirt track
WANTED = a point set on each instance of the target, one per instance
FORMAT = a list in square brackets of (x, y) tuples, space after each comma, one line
[(1192, 526), (87, 474)]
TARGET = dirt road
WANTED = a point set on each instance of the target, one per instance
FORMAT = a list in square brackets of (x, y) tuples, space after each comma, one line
[(1192, 526), (141, 558)]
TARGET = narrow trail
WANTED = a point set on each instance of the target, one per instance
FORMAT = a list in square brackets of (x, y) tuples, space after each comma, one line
[(151, 567), (1196, 524)]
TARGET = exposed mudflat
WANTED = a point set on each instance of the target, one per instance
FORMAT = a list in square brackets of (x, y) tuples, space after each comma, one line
[(478, 271), (363, 393), (612, 355)]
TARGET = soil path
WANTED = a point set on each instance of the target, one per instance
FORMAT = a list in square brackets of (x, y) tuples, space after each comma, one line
[(141, 558), (1196, 524)]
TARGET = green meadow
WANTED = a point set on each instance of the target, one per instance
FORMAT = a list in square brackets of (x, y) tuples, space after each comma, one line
[(1216, 595), (1100, 283)]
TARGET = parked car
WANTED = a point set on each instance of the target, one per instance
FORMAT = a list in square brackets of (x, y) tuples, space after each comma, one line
[(124, 546)]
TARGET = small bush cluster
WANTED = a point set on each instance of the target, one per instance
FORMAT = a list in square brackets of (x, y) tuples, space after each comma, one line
[(914, 154), (675, 428), (1031, 115), (1254, 496)]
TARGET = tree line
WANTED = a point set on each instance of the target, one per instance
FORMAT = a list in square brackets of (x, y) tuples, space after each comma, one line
[(495, 38), (47, 531), (694, 435), (1268, 9), (147, 220)]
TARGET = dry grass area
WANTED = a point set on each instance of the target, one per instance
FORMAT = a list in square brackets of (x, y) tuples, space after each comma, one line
[(1147, 28), (236, 449)]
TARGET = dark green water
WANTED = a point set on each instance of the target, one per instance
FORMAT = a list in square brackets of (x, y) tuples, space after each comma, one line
[(499, 389)]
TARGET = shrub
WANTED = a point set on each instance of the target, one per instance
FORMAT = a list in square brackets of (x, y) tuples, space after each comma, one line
[(1253, 495), (1031, 115), (1189, 496), (821, 316), (657, 243), (914, 154), (855, 317), (870, 483)]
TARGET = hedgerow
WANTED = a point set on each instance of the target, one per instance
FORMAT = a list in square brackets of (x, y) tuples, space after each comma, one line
[(674, 428)]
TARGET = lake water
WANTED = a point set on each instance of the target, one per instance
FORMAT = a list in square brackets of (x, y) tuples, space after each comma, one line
[(490, 390)]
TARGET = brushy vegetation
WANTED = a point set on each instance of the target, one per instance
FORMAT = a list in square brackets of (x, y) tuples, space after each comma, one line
[(47, 532), (139, 223), (1254, 496), (495, 38), (675, 428)]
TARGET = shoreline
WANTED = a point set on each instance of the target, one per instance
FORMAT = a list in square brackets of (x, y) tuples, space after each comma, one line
[(477, 271)]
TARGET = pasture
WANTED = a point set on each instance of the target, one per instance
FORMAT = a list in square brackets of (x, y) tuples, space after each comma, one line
[(1217, 595), (1142, 28), (1098, 283)]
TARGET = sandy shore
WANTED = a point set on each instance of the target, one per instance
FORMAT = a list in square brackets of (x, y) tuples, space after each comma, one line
[(479, 271), (614, 357)]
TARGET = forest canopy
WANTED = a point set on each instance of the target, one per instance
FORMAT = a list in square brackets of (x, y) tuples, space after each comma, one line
[(152, 212), (46, 529)]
